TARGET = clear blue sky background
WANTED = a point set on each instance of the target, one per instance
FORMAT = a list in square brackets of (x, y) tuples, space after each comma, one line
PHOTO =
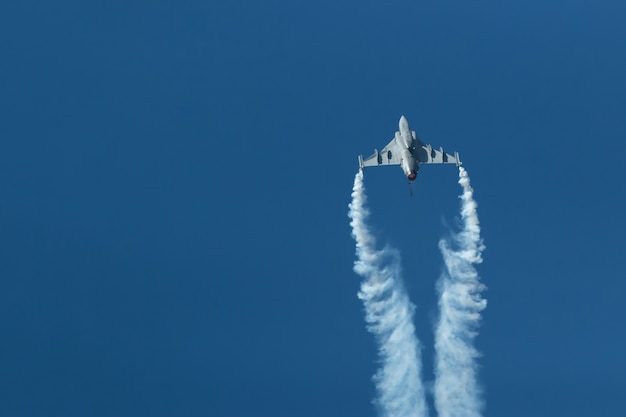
[(174, 183)]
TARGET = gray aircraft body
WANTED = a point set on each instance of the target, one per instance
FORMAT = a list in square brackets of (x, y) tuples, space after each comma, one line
[(408, 151)]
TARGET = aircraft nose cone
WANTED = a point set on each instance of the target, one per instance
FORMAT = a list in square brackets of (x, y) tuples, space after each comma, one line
[(403, 123)]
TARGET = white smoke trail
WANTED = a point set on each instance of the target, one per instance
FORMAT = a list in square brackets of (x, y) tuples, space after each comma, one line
[(389, 315), (456, 390)]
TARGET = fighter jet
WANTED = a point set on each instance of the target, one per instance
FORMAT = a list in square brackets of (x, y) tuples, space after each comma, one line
[(408, 151)]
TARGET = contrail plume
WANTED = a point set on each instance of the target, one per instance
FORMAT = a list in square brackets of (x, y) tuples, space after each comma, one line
[(456, 390), (389, 315)]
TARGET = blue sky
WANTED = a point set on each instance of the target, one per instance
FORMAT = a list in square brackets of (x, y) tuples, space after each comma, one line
[(175, 180)]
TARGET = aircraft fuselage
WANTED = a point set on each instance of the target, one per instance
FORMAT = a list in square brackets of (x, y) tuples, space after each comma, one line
[(405, 138)]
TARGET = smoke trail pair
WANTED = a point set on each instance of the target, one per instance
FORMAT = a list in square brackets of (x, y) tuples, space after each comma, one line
[(456, 390), (389, 315)]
